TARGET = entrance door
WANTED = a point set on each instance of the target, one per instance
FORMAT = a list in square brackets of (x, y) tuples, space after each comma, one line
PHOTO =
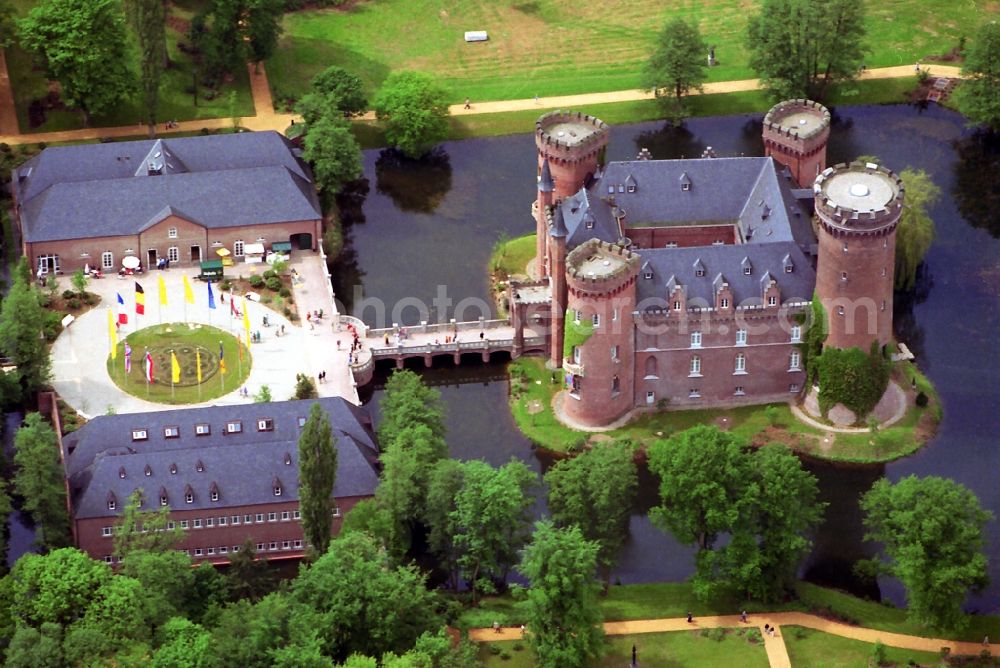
[(302, 241), (48, 264), (151, 258), (195, 254)]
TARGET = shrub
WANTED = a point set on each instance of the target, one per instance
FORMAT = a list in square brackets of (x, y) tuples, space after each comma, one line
[(505, 655), (754, 636), (494, 650), (287, 312), (224, 285), (284, 292), (89, 298), (273, 283), (518, 647), (255, 281), (771, 414), (270, 273), (878, 654), (68, 294), (853, 378), (717, 634), (73, 303)]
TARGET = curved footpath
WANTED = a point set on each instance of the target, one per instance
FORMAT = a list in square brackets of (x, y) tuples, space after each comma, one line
[(266, 118), (777, 654)]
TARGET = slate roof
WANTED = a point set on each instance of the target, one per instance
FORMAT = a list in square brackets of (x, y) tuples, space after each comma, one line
[(767, 260), (751, 192), (243, 466), (71, 192)]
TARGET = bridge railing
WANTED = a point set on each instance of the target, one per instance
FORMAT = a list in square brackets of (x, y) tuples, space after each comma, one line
[(453, 347), (445, 328)]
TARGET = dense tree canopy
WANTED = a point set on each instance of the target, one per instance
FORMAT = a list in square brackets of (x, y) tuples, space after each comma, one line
[(445, 482), (979, 94), (8, 24), (317, 475), (22, 320), (334, 88), (39, 480), (414, 109), (799, 47), (679, 63), (931, 535), (915, 231), (564, 619), (333, 152), (83, 46), (147, 19), (596, 492)]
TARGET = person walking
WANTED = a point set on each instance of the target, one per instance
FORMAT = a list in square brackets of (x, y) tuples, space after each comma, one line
[(468, 103), (496, 626), (690, 618), (743, 617)]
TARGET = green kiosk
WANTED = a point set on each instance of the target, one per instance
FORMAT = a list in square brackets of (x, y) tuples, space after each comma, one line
[(211, 270)]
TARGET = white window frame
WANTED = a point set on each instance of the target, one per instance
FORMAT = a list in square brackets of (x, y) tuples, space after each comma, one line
[(107, 260), (796, 333), (695, 367), (189, 498), (740, 366), (577, 355), (696, 339), (772, 301), (173, 254), (795, 361), (595, 320), (724, 303), (741, 337), (615, 354), (106, 532), (196, 524), (238, 248), (171, 232), (740, 391)]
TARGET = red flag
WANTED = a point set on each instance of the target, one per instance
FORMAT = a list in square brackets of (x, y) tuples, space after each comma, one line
[(149, 368), (140, 299), (122, 316), (232, 308)]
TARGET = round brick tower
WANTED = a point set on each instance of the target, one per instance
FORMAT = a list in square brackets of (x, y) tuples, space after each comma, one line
[(599, 346), (858, 206), (570, 149), (795, 134)]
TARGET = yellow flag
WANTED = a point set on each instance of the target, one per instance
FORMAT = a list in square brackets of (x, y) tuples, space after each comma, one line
[(175, 369), (188, 293), (246, 321), (112, 334), (163, 292), (197, 360)]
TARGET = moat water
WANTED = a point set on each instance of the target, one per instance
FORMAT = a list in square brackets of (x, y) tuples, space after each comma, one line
[(424, 227)]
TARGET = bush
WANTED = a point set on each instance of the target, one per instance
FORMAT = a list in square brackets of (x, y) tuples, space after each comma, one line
[(89, 298), (270, 273), (853, 378), (878, 654), (505, 655), (494, 650), (255, 281), (284, 292), (287, 312), (772, 414), (754, 636), (68, 294), (273, 283), (717, 634), (518, 647), (73, 303), (224, 285)]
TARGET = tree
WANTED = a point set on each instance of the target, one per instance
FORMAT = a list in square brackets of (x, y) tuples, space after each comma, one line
[(931, 536), (263, 27), (564, 619), (407, 402), (220, 36), (22, 321), (340, 89), (144, 530), (443, 486), (799, 48), (915, 231), (167, 581), (317, 474), (491, 516), (147, 18), (305, 388), (333, 152), (79, 281), (596, 492), (263, 396), (358, 603), (185, 645), (39, 480), (245, 635), (57, 587), (979, 94), (414, 109), (679, 63), (84, 47), (8, 24), (5, 510), (31, 648)]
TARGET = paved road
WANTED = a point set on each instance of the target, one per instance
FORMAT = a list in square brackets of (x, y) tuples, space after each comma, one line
[(266, 118), (79, 354), (777, 653)]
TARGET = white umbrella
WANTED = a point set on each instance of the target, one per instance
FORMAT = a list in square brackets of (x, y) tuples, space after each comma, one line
[(130, 262)]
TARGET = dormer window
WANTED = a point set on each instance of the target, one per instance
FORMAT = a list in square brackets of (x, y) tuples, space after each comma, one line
[(302, 421), (647, 274), (631, 187), (747, 267), (723, 303), (699, 272), (140, 434), (203, 429), (163, 497), (173, 469), (677, 306), (171, 432), (112, 501), (788, 268), (685, 182), (276, 487), (148, 470), (188, 494), (772, 301), (234, 427), (611, 189), (288, 459), (746, 270), (765, 213), (121, 472), (213, 492), (621, 188), (265, 424), (685, 187), (199, 466)]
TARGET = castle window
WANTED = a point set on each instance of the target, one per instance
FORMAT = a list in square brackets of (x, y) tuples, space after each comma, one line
[(652, 367), (189, 498), (596, 319), (741, 363), (647, 274), (746, 270), (611, 189), (796, 333), (695, 366), (148, 470), (615, 386), (843, 275), (614, 353), (277, 489), (614, 315), (215, 495), (576, 316), (741, 337), (883, 305), (794, 360), (696, 339), (845, 246), (199, 466), (739, 391), (173, 469), (677, 306), (724, 303), (883, 271), (577, 355), (885, 243), (621, 188), (650, 397), (105, 531), (184, 524), (788, 268), (223, 521), (112, 503), (772, 301), (631, 188), (163, 499), (699, 272), (121, 472)]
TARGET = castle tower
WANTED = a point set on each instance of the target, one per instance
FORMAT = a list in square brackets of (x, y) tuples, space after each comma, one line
[(556, 233), (858, 206), (599, 345), (795, 134), (570, 149)]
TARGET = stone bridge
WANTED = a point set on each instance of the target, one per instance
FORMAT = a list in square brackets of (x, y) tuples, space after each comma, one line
[(427, 341)]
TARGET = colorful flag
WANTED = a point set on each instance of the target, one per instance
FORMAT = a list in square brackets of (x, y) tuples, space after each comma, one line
[(128, 358), (149, 367), (222, 360), (211, 296), (246, 319), (232, 305), (197, 361), (163, 292), (188, 292), (112, 334), (140, 299), (122, 316), (175, 369)]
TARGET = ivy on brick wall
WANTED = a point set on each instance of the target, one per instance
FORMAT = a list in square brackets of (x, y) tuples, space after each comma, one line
[(814, 326), (853, 378), (576, 333)]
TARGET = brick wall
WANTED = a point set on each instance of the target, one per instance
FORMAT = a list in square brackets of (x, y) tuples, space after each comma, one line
[(683, 237)]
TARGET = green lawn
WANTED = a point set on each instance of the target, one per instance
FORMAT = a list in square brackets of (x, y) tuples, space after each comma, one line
[(29, 83), (559, 47), (512, 257), (814, 649), (183, 339), (691, 649)]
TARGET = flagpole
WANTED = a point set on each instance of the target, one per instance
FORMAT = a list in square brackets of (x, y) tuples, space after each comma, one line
[(145, 370), (171, 375), (231, 307), (222, 373)]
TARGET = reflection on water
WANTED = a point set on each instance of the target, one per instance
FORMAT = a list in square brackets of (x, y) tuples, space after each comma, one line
[(950, 322), (415, 186)]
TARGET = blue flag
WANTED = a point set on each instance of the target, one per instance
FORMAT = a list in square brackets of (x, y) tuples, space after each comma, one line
[(211, 296)]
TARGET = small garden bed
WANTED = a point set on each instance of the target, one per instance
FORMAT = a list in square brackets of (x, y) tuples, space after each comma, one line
[(275, 290)]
